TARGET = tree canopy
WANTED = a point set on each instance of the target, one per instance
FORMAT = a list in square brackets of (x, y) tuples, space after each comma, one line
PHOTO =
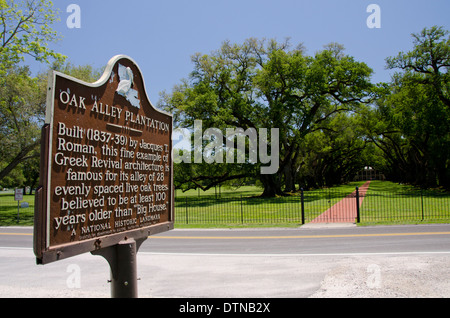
[(263, 84), (25, 29), (332, 119), (411, 122)]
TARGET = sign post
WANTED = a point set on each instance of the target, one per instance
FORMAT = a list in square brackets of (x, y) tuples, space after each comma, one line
[(122, 262), (106, 171), (18, 196)]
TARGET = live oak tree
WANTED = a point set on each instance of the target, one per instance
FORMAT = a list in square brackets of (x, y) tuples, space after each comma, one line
[(220, 92), (22, 105), (304, 92), (22, 113), (411, 126), (429, 60), (334, 153), (411, 123), (24, 31), (266, 84)]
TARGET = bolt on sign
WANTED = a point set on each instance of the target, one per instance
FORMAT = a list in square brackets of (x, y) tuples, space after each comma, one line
[(106, 164)]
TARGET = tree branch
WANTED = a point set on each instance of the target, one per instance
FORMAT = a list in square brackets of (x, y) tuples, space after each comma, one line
[(21, 157)]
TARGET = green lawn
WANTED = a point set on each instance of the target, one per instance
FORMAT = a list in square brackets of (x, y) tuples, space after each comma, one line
[(246, 191), (387, 203), (8, 210), (224, 191), (242, 207)]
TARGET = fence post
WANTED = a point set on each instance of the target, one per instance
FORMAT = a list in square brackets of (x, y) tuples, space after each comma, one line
[(358, 217), (242, 212), (303, 205), (421, 201), (187, 218)]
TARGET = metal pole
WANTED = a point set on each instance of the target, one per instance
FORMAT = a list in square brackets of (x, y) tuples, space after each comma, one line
[(303, 206), (122, 262), (242, 212), (358, 217), (124, 278), (421, 200), (18, 211), (187, 216)]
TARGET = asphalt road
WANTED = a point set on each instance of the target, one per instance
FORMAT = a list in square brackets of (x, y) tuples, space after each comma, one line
[(311, 261)]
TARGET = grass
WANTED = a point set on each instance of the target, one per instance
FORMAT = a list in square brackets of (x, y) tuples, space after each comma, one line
[(391, 203), (8, 210), (237, 211), (242, 208), (385, 203), (225, 192)]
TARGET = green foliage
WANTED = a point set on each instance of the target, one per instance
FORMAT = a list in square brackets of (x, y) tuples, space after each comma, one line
[(25, 30), (333, 154), (22, 106), (330, 125), (266, 84), (82, 72), (411, 122), (429, 61), (22, 113)]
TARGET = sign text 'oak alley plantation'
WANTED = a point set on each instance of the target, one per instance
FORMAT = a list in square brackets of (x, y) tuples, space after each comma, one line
[(110, 157)]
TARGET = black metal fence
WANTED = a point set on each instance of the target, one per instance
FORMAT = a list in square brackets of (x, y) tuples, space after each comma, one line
[(237, 210), (411, 205), (327, 205)]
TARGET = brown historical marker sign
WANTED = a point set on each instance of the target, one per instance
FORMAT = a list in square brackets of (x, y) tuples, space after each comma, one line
[(106, 164)]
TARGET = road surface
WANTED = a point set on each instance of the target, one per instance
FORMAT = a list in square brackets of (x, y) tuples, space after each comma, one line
[(311, 261)]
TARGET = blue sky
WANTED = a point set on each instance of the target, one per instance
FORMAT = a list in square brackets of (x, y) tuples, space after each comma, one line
[(161, 36)]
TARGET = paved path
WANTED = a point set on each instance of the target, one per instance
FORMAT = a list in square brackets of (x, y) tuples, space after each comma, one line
[(345, 210)]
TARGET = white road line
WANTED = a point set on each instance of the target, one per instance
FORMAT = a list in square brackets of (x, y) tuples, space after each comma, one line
[(16, 248), (270, 255), (299, 254)]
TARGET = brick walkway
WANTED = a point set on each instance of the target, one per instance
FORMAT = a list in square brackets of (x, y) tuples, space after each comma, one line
[(345, 210)]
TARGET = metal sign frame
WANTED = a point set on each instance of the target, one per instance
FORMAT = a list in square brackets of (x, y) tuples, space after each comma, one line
[(81, 140)]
